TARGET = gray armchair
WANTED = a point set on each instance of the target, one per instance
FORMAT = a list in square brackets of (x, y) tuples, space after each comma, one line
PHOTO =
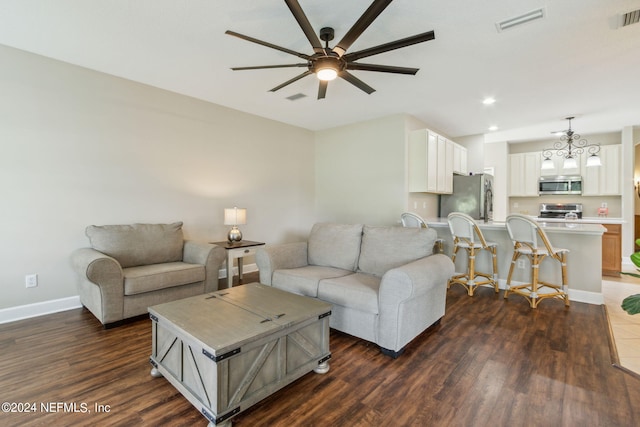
[(131, 267)]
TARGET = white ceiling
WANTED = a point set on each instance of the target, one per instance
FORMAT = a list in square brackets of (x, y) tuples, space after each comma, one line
[(575, 61)]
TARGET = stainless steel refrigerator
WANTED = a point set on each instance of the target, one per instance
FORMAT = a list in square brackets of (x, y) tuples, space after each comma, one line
[(472, 194)]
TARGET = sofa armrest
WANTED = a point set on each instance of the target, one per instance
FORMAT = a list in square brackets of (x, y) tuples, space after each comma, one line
[(411, 298), (100, 283), (415, 278), (207, 254), (97, 267), (278, 257)]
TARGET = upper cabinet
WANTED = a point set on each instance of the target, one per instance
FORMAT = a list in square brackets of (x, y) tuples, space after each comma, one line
[(433, 159), (524, 172), (604, 180), (459, 159)]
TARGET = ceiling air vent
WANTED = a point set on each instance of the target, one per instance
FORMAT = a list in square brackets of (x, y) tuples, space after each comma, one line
[(296, 96), (519, 20), (629, 18)]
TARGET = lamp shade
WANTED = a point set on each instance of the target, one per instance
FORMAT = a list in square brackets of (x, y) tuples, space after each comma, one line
[(570, 163), (593, 160), (547, 163), (235, 216)]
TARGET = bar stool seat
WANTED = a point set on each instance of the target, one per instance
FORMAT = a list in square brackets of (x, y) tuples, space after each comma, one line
[(467, 235), (530, 240)]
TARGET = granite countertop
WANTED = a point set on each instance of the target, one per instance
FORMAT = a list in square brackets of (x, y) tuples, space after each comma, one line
[(586, 220), (554, 226)]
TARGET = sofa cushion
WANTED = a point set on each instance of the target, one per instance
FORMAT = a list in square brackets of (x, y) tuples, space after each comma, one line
[(358, 291), (384, 248), (304, 280), (138, 244), (335, 245), (147, 278)]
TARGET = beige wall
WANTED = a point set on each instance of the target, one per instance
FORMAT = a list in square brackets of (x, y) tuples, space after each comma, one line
[(81, 147), (361, 171)]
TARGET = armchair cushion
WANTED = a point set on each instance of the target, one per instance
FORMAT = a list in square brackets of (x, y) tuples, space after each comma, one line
[(335, 245), (304, 280), (384, 248), (358, 291), (147, 278), (138, 244)]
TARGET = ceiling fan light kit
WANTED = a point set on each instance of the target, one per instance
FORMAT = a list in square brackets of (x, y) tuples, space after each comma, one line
[(329, 63)]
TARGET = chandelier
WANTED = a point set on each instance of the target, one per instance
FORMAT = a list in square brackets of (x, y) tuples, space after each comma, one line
[(570, 146)]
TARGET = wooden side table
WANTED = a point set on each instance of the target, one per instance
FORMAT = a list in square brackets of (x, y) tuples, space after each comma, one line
[(237, 250)]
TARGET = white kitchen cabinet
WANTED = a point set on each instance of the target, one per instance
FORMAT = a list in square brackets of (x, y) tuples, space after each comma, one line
[(558, 166), (445, 166), (604, 180), (430, 163), (524, 173), (459, 159)]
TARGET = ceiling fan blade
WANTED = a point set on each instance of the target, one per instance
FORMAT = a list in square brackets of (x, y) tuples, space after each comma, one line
[(304, 23), (288, 82), (260, 67), (386, 47), (361, 24), (356, 82), (322, 89), (267, 44), (381, 68)]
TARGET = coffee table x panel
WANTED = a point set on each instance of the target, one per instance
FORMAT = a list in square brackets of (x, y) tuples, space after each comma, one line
[(227, 350)]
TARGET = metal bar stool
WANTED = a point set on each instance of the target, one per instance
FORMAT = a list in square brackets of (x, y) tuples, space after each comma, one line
[(530, 240), (467, 235)]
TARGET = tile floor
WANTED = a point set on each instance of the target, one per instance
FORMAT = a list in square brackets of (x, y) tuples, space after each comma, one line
[(626, 328)]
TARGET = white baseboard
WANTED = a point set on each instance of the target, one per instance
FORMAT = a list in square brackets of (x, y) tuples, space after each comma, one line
[(47, 307), (20, 312), (249, 268)]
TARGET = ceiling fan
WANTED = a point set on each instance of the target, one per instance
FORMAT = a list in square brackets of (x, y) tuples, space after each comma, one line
[(328, 63)]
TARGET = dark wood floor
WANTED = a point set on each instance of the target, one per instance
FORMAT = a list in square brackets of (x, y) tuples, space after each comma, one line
[(489, 363)]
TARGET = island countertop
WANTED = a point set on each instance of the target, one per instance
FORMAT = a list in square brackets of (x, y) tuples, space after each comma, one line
[(584, 261), (549, 226)]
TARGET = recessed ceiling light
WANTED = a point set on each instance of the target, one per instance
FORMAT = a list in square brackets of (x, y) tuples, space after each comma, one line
[(492, 128), (488, 101)]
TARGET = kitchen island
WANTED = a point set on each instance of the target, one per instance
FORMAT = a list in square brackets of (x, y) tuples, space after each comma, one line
[(584, 261)]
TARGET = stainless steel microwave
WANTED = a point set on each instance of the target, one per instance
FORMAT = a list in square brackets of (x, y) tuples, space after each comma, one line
[(566, 184)]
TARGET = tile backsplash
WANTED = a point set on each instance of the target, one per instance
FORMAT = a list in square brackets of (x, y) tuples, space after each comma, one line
[(590, 205)]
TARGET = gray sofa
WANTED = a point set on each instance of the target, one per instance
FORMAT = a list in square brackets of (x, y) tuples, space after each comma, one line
[(384, 283), (131, 267)]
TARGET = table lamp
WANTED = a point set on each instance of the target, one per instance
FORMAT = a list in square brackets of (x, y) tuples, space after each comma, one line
[(234, 217)]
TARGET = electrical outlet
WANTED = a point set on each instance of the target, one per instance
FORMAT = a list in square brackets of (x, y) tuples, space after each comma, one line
[(31, 280), (520, 263)]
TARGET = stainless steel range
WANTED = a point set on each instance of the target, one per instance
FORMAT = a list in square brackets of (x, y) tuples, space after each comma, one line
[(559, 210)]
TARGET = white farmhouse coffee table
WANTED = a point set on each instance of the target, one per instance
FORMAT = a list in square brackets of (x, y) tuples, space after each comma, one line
[(227, 350)]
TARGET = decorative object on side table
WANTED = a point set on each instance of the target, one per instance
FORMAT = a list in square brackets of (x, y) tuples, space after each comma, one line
[(631, 304), (235, 216)]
